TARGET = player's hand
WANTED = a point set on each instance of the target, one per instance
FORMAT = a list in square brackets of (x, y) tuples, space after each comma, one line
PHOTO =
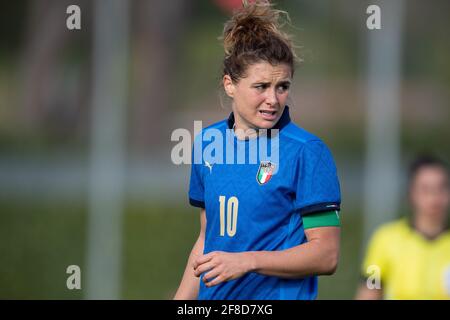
[(222, 266)]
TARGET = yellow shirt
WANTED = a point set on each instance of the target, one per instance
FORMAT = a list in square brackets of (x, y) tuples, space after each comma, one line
[(410, 266)]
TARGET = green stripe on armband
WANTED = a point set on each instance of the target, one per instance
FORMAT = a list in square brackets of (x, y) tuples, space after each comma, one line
[(322, 219)]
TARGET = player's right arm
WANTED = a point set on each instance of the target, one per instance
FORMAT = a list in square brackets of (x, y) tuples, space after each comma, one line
[(189, 286)]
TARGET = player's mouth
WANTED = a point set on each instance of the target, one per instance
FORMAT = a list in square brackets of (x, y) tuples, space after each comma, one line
[(268, 115)]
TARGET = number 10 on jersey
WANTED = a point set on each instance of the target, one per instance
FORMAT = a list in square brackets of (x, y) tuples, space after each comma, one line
[(230, 220)]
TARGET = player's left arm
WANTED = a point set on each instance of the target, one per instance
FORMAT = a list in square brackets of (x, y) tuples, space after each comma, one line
[(318, 256)]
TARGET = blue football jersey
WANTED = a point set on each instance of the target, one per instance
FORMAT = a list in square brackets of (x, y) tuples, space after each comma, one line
[(258, 205)]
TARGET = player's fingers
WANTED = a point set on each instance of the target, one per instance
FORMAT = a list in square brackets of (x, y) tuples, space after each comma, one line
[(217, 280), (203, 268), (211, 275), (202, 259)]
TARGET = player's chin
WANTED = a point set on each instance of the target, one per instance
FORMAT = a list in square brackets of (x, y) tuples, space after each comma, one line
[(266, 124)]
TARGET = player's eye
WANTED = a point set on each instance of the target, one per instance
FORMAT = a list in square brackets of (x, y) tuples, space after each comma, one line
[(284, 87), (261, 87)]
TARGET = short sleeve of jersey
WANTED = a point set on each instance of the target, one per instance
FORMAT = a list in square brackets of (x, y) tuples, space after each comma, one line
[(196, 186), (376, 259), (317, 183)]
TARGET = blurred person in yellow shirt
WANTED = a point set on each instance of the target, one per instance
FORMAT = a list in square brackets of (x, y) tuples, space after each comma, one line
[(410, 258)]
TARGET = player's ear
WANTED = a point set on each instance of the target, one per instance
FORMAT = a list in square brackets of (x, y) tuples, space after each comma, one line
[(228, 85)]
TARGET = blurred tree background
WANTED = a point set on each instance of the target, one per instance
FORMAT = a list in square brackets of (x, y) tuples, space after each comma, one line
[(174, 68)]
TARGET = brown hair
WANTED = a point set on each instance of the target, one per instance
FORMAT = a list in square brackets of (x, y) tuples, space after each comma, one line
[(252, 35)]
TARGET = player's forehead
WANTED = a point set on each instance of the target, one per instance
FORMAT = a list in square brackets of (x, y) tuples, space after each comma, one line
[(264, 72), (431, 175)]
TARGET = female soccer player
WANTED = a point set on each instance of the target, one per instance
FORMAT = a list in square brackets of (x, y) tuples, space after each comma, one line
[(268, 228)]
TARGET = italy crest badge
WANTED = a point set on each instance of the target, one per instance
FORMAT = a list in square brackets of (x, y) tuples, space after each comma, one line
[(265, 172)]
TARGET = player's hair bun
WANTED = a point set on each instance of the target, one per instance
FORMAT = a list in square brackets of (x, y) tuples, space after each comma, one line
[(253, 34)]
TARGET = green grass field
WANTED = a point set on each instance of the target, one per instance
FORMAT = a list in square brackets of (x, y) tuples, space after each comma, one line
[(40, 238)]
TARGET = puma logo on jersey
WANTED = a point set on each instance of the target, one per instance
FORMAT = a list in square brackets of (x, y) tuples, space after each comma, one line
[(209, 165)]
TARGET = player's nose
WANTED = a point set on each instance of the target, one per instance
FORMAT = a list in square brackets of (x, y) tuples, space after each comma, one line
[(271, 97)]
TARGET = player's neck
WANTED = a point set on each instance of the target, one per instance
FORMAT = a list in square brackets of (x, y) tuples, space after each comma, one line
[(244, 131), (428, 227)]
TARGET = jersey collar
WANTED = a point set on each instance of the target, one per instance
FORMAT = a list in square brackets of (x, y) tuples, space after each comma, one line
[(412, 227), (282, 122)]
